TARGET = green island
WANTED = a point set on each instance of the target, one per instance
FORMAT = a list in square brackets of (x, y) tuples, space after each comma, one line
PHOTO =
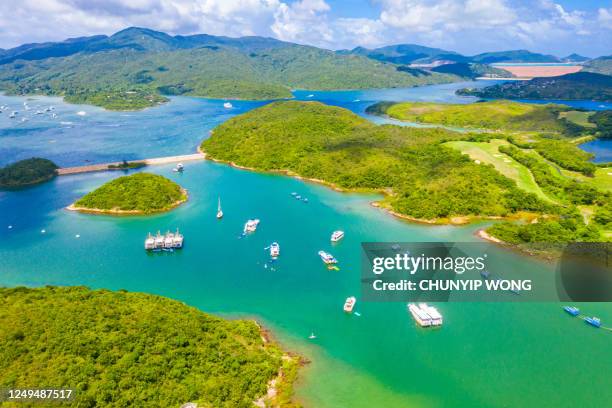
[(140, 193), (27, 172), (536, 146), (579, 85), (136, 67), (119, 349), (422, 179)]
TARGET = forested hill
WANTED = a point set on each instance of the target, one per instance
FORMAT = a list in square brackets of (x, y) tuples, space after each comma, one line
[(134, 67), (580, 85), (601, 65)]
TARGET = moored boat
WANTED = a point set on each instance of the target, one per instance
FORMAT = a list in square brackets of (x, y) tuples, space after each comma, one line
[(149, 242), (593, 321), (274, 250), (337, 236), (574, 311), (251, 226), (327, 258), (349, 304), (425, 315), (227, 105), (219, 211)]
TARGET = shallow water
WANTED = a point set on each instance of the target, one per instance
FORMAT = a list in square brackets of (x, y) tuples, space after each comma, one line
[(486, 355)]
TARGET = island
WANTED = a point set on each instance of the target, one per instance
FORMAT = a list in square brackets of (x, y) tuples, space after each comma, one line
[(27, 172), (579, 85), (140, 193), (117, 348)]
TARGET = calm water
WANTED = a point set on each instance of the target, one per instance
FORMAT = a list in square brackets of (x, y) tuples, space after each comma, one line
[(486, 355), (601, 148)]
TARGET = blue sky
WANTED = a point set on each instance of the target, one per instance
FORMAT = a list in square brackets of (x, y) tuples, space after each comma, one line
[(559, 27)]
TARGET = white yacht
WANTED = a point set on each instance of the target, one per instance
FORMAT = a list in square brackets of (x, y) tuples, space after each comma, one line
[(327, 258), (219, 211), (159, 240), (251, 226), (177, 241), (13, 114), (169, 240), (179, 168), (81, 113), (149, 242), (349, 304), (274, 250), (337, 236), (228, 105)]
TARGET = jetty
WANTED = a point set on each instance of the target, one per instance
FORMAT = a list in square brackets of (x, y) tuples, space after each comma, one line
[(117, 165)]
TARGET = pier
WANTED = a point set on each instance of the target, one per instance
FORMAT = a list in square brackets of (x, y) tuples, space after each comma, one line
[(148, 162)]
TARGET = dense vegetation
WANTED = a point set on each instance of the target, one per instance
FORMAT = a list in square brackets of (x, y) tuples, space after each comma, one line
[(139, 193), (566, 155), (130, 70), (27, 172), (603, 121), (580, 85), (425, 179), (492, 115), (119, 349)]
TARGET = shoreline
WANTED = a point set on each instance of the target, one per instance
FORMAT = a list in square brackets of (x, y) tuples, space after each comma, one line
[(127, 213)]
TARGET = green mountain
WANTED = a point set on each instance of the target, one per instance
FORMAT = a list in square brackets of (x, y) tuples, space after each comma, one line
[(579, 85), (601, 65), (513, 56), (406, 54), (134, 67)]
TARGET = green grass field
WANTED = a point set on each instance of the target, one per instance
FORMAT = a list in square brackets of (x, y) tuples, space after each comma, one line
[(578, 117), (601, 180), (488, 152)]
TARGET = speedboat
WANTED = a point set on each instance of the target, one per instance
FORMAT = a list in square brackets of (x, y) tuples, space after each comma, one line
[(228, 105), (219, 210), (593, 321), (251, 226), (327, 258), (274, 250), (574, 311), (81, 113), (337, 236), (349, 304)]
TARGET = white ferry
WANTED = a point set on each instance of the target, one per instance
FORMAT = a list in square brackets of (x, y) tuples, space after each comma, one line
[(349, 304), (251, 226), (327, 258), (337, 236), (425, 315), (274, 250), (228, 105)]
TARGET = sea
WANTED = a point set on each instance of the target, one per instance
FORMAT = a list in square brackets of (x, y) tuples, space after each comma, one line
[(503, 354)]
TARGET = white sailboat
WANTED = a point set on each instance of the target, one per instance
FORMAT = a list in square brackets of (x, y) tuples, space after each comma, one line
[(219, 211)]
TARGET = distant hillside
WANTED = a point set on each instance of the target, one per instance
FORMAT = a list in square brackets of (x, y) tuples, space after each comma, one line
[(513, 56), (471, 70), (575, 58), (407, 54), (580, 85), (601, 65), (130, 69)]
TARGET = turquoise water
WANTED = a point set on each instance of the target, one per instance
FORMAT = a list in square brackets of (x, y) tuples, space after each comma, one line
[(486, 355)]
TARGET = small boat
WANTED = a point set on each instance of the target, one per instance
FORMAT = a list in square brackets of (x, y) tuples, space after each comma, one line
[(349, 304), (39, 112), (294, 194), (327, 258), (357, 100), (310, 96), (305, 200), (337, 236), (574, 311), (219, 211), (179, 167), (298, 197), (485, 274), (274, 250), (81, 113), (13, 114), (593, 321), (312, 336), (251, 226), (149, 242), (228, 105)]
